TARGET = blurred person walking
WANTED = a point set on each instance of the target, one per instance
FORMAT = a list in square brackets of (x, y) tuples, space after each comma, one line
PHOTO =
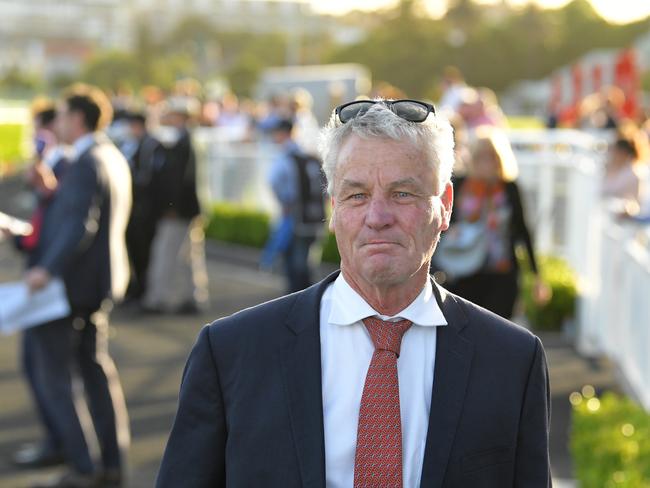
[(177, 279), (626, 173), (452, 86), (235, 124), (479, 107), (477, 253), (82, 241), (305, 126), (297, 183), (52, 161), (146, 157)]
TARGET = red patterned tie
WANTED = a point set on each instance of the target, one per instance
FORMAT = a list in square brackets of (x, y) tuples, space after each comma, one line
[(378, 460)]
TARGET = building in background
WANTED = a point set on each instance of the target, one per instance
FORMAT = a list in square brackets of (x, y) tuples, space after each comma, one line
[(52, 38)]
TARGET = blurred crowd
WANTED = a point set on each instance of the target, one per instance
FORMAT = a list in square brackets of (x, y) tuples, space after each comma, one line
[(626, 127), (153, 130), (238, 119)]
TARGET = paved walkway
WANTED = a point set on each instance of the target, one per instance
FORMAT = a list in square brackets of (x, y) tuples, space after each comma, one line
[(150, 352)]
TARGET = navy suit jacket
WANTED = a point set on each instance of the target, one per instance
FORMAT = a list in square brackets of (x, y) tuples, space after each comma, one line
[(82, 238), (250, 411)]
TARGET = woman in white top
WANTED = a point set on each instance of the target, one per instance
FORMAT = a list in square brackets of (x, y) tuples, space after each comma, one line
[(626, 172)]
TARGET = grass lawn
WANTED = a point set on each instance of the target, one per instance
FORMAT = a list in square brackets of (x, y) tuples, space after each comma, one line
[(11, 142), (14, 134)]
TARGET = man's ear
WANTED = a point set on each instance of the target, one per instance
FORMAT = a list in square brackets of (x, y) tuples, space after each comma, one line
[(447, 198), (333, 216)]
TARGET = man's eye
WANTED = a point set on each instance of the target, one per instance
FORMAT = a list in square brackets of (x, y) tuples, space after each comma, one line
[(402, 194), (356, 196)]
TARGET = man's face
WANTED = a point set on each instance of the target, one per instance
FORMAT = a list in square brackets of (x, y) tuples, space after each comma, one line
[(175, 119), (387, 213), (67, 124), (137, 129)]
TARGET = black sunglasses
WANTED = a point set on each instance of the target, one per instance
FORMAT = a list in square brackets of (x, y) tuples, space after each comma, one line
[(411, 110)]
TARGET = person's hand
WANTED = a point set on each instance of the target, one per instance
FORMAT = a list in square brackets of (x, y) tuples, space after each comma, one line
[(42, 178), (542, 293), (36, 278)]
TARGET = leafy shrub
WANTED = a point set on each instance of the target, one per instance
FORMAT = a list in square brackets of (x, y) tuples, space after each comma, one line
[(610, 441), (238, 225), (560, 278)]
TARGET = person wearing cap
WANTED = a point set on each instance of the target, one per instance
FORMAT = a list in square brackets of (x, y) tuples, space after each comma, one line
[(177, 276), (376, 376)]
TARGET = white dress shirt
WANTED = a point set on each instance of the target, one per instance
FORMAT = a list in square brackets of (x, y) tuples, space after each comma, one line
[(346, 351), (82, 144)]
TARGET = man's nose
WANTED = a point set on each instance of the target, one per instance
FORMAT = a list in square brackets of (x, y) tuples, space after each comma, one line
[(379, 214)]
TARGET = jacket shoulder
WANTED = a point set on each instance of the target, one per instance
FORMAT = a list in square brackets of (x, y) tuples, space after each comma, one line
[(494, 333), (253, 321)]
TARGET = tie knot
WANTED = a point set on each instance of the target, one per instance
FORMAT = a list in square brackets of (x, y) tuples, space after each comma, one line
[(387, 335)]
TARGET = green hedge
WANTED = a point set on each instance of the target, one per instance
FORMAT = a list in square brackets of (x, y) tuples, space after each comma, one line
[(239, 225), (610, 441), (560, 278)]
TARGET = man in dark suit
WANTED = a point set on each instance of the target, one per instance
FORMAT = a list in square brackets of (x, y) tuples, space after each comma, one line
[(43, 177), (177, 277), (82, 241), (146, 157), (376, 376)]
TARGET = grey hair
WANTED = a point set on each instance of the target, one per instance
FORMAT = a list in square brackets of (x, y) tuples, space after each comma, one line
[(434, 136)]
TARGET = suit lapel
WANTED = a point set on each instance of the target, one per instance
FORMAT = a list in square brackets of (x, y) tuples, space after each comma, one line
[(301, 367), (453, 360)]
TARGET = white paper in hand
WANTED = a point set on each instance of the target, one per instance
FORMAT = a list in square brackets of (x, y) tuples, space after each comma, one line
[(20, 309), (15, 226)]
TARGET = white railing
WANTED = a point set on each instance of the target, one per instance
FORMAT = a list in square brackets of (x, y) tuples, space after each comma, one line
[(560, 175), (614, 309), (234, 170)]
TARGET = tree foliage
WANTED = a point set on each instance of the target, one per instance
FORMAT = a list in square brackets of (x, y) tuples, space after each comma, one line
[(492, 45), (112, 70), (195, 49)]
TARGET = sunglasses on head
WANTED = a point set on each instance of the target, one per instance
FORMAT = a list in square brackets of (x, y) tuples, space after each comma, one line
[(411, 110)]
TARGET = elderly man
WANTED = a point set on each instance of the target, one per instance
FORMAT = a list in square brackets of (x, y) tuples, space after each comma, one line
[(376, 376)]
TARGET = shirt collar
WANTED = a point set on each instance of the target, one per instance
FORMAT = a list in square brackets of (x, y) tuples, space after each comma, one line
[(82, 144), (348, 307), (56, 153)]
